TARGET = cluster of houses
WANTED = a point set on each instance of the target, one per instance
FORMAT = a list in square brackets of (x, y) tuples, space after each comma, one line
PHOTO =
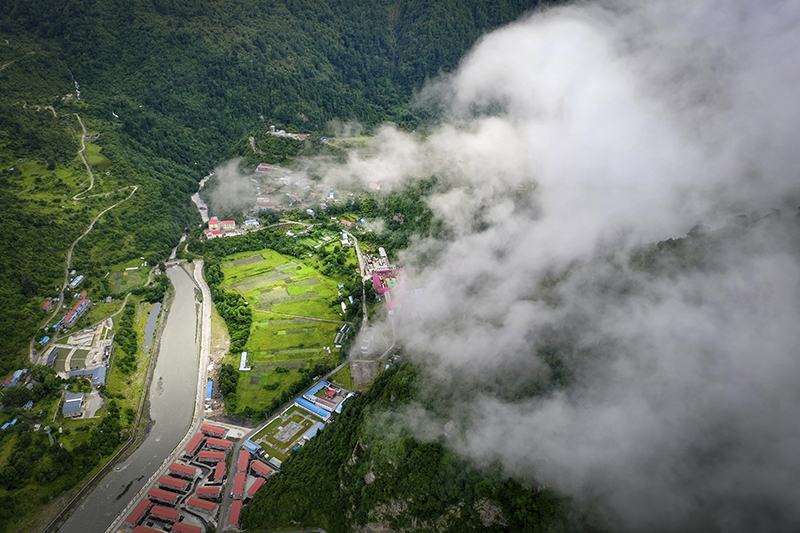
[(284, 191), (187, 497), (227, 228)]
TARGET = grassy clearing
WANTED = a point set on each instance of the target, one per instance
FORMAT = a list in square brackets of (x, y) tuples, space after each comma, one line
[(97, 161), (123, 281), (343, 378), (127, 390), (100, 311), (5, 450)]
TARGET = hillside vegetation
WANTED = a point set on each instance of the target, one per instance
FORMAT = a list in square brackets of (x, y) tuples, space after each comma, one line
[(173, 86), (365, 471)]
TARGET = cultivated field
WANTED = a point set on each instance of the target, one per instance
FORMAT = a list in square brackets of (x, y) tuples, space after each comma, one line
[(296, 316)]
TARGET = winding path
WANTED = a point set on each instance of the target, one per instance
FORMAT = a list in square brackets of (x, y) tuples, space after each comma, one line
[(85, 162), (68, 263)]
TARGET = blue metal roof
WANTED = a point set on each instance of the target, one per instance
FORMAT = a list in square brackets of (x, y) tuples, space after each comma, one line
[(251, 447), (305, 404), (313, 430), (315, 389)]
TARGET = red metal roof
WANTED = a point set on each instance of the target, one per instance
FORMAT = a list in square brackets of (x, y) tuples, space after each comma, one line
[(183, 469), (257, 485), (138, 512), (182, 527), (179, 484), (165, 512), (219, 443), (238, 484), (46, 305), (194, 444), (209, 491), (229, 222), (160, 494), (244, 457), (216, 456), (200, 504), (219, 471), (262, 469), (236, 509)]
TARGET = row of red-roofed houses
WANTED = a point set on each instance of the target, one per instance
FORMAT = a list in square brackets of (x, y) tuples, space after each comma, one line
[(259, 474), (162, 503), (209, 447)]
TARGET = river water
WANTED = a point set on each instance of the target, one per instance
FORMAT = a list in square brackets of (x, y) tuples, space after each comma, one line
[(172, 398), (150, 327)]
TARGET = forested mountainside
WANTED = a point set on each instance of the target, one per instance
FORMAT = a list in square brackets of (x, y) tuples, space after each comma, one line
[(365, 472), (171, 87), (205, 70)]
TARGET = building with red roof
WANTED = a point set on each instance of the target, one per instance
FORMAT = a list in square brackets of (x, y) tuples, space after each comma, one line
[(325, 404), (172, 483), (228, 225), (236, 510), (238, 485), (219, 472), (213, 224), (183, 527), (82, 295), (210, 457), (260, 469), (213, 431), (47, 304), (244, 458), (182, 470), (139, 512), (201, 505), (163, 496), (209, 493), (194, 444), (218, 444), (165, 513), (255, 486)]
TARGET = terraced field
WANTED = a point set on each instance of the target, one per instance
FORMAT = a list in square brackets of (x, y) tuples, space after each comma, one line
[(295, 320)]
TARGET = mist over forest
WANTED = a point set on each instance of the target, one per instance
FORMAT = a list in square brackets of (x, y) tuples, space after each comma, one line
[(655, 382), (595, 204)]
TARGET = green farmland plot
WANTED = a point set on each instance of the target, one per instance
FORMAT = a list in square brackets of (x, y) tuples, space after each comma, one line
[(296, 316)]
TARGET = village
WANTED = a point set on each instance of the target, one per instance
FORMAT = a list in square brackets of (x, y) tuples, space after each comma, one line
[(209, 482)]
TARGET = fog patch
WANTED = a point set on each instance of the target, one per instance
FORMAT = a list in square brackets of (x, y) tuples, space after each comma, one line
[(570, 139)]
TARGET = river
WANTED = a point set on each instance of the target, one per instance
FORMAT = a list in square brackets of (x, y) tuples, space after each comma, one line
[(150, 327), (172, 399)]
